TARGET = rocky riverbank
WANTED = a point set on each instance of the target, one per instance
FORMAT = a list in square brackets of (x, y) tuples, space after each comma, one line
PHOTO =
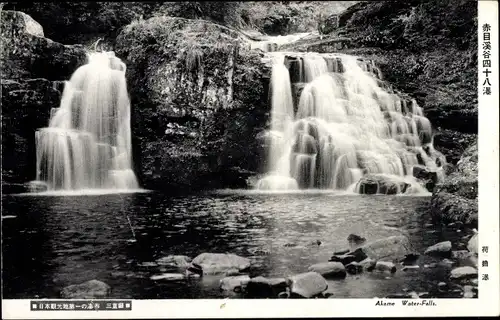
[(455, 263)]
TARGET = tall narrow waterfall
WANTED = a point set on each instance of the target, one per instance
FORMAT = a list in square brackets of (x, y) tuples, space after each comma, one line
[(335, 121), (87, 144)]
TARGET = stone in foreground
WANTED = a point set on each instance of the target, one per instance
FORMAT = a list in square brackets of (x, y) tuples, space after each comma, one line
[(329, 270), (385, 266), (389, 248), (175, 261), (463, 273), (261, 287), (439, 249), (307, 285), (93, 289), (234, 284), (220, 263)]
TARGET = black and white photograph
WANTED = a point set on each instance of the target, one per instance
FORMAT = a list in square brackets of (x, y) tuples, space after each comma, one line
[(249, 151)]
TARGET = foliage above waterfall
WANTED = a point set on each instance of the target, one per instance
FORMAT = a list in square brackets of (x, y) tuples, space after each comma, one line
[(80, 22), (412, 25)]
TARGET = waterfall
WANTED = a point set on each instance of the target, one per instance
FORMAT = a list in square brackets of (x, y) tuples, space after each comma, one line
[(87, 144), (334, 121)]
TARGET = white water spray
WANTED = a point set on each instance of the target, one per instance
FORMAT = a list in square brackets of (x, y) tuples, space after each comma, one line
[(87, 144), (346, 124)]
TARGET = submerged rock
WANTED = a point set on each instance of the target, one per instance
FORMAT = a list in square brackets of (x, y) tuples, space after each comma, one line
[(344, 259), (175, 261), (329, 270), (220, 263), (394, 247), (342, 252), (168, 277), (93, 289), (354, 268), (261, 287), (307, 285), (355, 238), (439, 249)]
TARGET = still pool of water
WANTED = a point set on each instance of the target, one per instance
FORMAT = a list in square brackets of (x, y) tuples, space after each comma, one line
[(50, 242)]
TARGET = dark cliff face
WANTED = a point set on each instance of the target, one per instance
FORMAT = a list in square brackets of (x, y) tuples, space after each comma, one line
[(197, 103), (33, 71)]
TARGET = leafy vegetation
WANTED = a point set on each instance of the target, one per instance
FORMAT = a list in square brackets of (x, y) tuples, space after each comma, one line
[(81, 22)]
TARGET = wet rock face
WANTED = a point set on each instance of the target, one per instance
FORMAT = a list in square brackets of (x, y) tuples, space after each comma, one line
[(430, 178), (198, 101), (27, 54), (26, 105), (93, 289), (33, 69), (375, 184)]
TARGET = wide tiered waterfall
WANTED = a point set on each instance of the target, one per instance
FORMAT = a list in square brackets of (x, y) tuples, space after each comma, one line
[(87, 144), (334, 121)]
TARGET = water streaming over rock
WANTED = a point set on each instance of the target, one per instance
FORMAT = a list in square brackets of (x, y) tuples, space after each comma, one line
[(335, 124), (87, 144)]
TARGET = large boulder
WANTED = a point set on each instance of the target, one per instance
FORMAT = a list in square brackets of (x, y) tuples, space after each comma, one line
[(307, 285), (220, 263), (393, 248), (198, 99), (25, 53)]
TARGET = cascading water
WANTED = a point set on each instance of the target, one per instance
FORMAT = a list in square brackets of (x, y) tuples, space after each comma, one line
[(87, 144), (345, 125)]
